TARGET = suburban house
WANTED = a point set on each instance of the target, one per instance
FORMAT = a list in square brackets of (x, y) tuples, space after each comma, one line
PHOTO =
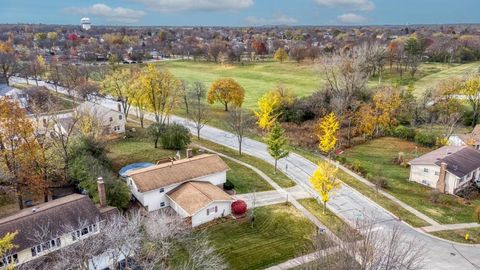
[(189, 186), (447, 168), (111, 121), (472, 138), (14, 94), (51, 226)]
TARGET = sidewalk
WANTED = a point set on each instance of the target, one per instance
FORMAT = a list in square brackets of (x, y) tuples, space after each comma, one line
[(298, 261), (448, 227)]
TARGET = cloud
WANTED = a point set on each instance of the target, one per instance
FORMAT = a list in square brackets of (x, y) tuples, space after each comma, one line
[(364, 5), (351, 18), (196, 5), (118, 14), (279, 19)]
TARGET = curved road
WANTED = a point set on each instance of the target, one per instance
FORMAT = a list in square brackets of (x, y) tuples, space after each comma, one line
[(347, 203)]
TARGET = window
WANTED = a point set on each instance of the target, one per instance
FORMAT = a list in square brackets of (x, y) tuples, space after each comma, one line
[(81, 233), (425, 182), (10, 259), (111, 119), (436, 172), (425, 170), (162, 204), (46, 246), (212, 210), (161, 190), (120, 117)]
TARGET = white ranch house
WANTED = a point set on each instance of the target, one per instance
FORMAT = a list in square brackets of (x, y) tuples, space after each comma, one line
[(189, 186), (447, 168)]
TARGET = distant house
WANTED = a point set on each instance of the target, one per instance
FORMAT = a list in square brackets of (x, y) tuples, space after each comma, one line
[(14, 94), (60, 223), (111, 121), (472, 138), (189, 186), (447, 168)]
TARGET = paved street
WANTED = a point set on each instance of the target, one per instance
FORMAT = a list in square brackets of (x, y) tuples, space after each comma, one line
[(347, 203)]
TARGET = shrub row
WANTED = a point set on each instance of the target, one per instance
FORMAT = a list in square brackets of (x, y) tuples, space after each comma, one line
[(427, 139)]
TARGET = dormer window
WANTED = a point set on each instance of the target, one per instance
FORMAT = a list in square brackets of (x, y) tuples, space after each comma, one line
[(161, 190)]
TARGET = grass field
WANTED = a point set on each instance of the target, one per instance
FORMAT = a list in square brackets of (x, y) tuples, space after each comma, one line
[(335, 224), (280, 233), (459, 235), (245, 179), (377, 158), (256, 78), (303, 79)]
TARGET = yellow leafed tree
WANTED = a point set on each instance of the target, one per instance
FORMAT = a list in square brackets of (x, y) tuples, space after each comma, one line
[(226, 91), (266, 113), (327, 133), (281, 55), (324, 181), (6, 244), (162, 91)]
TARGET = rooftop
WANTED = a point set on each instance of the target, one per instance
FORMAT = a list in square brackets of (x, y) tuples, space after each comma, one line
[(54, 216), (193, 196), (460, 160), (176, 172)]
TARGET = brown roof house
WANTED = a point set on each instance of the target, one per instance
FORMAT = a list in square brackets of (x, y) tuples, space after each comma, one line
[(50, 226), (189, 186), (447, 168), (472, 138)]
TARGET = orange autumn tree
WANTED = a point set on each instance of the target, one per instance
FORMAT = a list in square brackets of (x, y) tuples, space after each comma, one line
[(226, 91), (380, 113), (21, 160)]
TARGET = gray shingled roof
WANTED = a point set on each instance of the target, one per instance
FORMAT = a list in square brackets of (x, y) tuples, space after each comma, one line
[(462, 162), (56, 216)]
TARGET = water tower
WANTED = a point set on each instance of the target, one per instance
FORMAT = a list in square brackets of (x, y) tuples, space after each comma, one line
[(85, 23)]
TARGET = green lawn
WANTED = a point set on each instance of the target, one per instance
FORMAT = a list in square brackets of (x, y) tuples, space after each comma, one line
[(377, 158), (450, 71), (280, 178), (303, 79), (280, 233), (137, 147), (257, 78), (245, 179), (371, 194), (459, 235), (341, 229)]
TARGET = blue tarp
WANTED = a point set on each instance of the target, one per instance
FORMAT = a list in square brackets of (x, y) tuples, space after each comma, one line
[(135, 166)]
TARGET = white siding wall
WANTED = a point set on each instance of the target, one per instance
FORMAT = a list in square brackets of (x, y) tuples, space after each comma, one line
[(451, 182), (428, 178), (223, 209), (177, 208)]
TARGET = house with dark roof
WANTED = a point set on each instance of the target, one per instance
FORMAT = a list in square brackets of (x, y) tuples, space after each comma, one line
[(190, 186), (50, 226), (447, 168)]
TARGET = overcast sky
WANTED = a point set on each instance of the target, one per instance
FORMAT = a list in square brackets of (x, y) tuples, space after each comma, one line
[(241, 12)]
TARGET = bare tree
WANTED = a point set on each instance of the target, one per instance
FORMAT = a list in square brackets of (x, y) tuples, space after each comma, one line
[(200, 112), (346, 79), (387, 249), (239, 123), (202, 256), (162, 229)]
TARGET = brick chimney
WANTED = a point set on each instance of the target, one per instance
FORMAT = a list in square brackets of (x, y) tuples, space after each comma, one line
[(189, 153), (442, 177), (101, 192)]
